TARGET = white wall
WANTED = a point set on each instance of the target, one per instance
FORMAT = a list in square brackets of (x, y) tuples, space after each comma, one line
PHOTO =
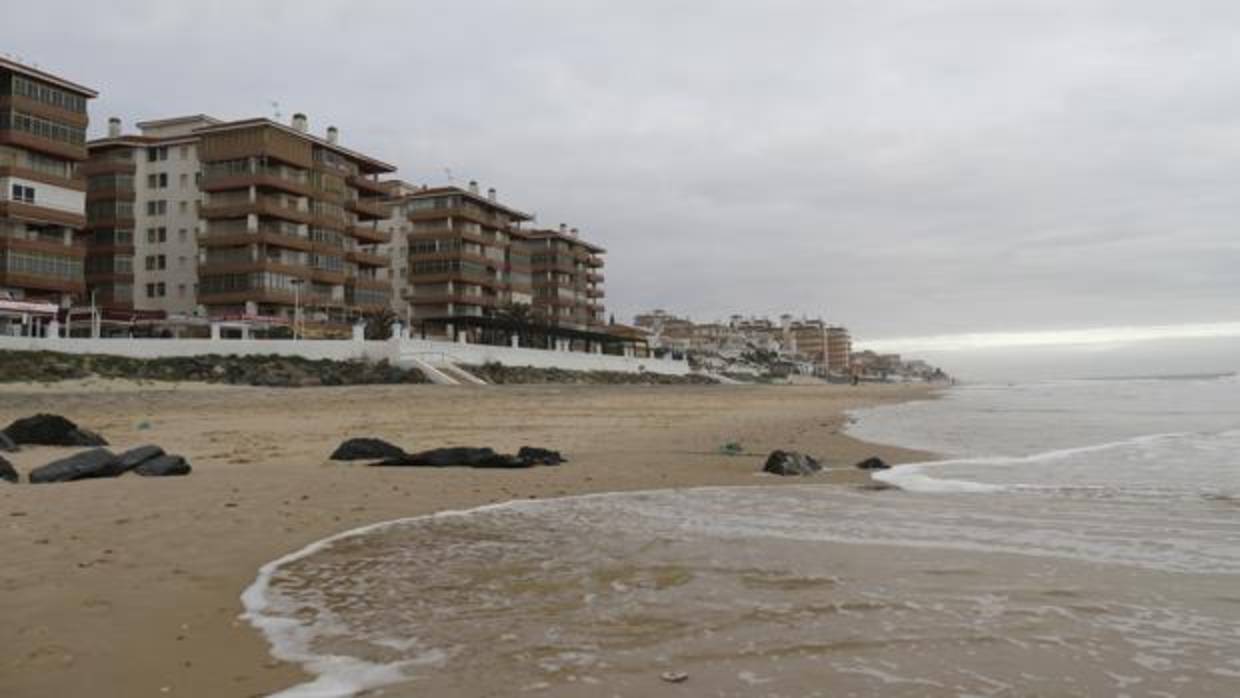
[(398, 352), (47, 195)]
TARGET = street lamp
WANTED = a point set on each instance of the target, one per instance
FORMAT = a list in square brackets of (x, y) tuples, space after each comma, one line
[(296, 305)]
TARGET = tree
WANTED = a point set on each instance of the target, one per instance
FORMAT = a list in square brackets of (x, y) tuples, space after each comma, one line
[(379, 325)]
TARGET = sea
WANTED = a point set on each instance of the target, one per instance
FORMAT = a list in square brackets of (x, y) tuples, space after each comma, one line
[(1076, 538)]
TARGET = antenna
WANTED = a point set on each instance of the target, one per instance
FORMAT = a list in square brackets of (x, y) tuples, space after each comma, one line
[(275, 110), (448, 171)]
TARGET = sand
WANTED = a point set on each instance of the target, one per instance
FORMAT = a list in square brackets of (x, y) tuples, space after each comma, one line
[(130, 587)]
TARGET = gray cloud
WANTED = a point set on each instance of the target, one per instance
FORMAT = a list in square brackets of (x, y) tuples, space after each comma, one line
[(907, 168)]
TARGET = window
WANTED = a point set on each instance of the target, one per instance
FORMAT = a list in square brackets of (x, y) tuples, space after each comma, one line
[(158, 290), (157, 154), (150, 264), (182, 235), (157, 181), (184, 180), (161, 262), (23, 193), (156, 208), (150, 290), (181, 290), (163, 233), (150, 235)]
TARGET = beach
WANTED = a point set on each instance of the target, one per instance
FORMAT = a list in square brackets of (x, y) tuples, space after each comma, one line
[(132, 586)]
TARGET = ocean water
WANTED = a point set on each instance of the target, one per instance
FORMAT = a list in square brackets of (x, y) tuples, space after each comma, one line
[(1081, 538)]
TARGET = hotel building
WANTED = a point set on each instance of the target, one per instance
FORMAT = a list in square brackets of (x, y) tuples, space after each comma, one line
[(290, 221), (567, 278), (43, 122), (142, 210)]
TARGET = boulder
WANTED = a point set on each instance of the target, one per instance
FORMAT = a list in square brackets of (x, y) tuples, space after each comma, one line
[(791, 463), (367, 449), (7, 444), (873, 463), (540, 456), (51, 430), (7, 472), (459, 455), (97, 462), (163, 466), (134, 457)]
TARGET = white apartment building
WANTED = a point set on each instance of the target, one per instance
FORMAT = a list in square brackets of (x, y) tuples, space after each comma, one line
[(153, 177)]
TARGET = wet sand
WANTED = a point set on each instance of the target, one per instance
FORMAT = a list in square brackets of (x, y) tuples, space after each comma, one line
[(131, 587)]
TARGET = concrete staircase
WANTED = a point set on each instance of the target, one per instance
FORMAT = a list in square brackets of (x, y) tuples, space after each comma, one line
[(439, 370)]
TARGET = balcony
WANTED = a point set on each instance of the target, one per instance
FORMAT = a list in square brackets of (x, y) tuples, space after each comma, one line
[(60, 149), (370, 259), (594, 277), (75, 183), (366, 184), (264, 206), (270, 178), (98, 166), (41, 212), (368, 210), (234, 237), (366, 234)]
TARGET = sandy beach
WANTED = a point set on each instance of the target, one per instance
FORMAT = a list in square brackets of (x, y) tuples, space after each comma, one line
[(130, 587)]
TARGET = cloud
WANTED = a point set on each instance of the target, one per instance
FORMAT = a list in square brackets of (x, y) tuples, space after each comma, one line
[(906, 168)]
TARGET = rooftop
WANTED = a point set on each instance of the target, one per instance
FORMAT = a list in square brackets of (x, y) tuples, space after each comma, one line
[(14, 66), (373, 165)]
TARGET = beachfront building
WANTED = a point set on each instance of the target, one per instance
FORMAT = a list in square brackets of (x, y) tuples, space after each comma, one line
[(808, 339), (567, 277), (839, 351), (43, 120), (465, 257), (143, 200), (397, 228), (290, 226)]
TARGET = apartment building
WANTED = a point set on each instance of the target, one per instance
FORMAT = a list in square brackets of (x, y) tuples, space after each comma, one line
[(466, 256), (43, 120), (290, 224), (567, 278), (397, 227), (143, 197), (839, 350), (808, 339)]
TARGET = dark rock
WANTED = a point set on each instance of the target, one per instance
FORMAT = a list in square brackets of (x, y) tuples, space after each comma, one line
[(97, 462), (790, 463), (873, 463), (51, 430), (7, 472), (7, 444), (540, 456), (134, 457), (459, 455), (367, 449), (163, 466)]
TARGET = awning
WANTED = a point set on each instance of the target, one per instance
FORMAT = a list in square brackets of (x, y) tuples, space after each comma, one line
[(28, 307)]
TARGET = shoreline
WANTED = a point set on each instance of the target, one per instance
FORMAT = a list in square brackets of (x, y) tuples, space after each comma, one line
[(132, 586)]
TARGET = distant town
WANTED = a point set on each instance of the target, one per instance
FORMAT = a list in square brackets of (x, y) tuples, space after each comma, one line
[(194, 226)]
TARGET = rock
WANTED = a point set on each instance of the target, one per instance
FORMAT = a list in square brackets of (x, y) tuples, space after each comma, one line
[(540, 456), (459, 455), (164, 466), (51, 430), (367, 449), (7, 444), (790, 463), (97, 462), (873, 463), (136, 456), (7, 472)]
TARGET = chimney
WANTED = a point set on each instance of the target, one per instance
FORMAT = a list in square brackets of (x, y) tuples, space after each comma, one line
[(491, 194), (473, 187), (114, 127), (573, 232), (563, 229), (300, 122), (333, 135)]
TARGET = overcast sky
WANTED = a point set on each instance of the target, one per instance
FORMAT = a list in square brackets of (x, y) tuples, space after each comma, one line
[(906, 168)]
